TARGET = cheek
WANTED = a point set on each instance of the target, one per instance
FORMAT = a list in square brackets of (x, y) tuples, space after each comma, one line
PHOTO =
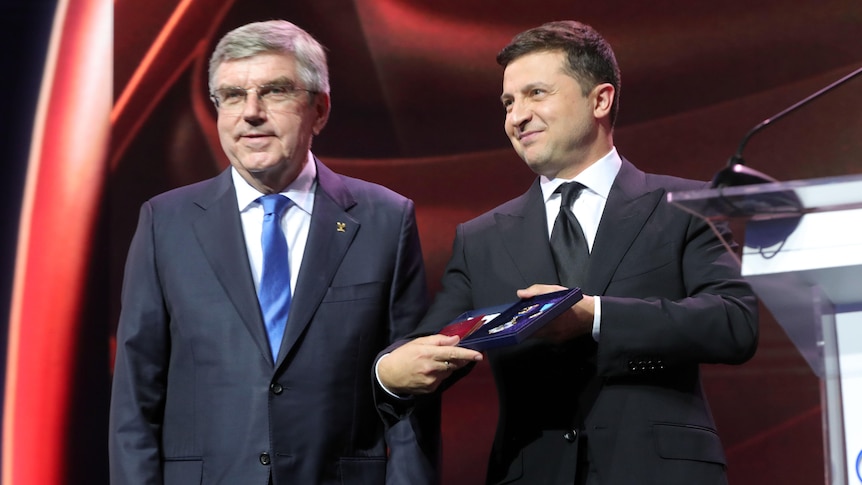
[(225, 129), (289, 126), (225, 139)]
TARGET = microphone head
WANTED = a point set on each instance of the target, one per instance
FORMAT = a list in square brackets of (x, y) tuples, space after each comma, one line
[(738, 174), (767, 203)]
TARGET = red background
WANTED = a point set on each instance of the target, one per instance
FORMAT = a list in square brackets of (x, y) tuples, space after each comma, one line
[(415, 96)]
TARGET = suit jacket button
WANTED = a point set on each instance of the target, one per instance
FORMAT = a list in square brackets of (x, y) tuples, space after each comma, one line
[(264, 458), (276, 388), (571, 436)]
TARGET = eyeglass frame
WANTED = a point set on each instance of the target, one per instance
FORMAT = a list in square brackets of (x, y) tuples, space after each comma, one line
[(291, 91)]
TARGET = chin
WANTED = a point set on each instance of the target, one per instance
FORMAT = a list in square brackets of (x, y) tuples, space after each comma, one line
[(260, 164), (541, 167)]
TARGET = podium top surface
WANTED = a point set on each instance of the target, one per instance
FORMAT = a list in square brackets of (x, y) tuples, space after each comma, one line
[(771, 200)]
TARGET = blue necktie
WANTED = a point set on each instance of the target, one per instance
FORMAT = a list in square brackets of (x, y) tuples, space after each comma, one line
[(274, 290)]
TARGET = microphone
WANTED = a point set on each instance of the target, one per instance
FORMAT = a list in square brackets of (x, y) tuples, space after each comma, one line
[(736, 172)]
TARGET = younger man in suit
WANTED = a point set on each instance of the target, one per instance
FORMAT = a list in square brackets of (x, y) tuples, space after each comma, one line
[(610, 392), (247, 331)]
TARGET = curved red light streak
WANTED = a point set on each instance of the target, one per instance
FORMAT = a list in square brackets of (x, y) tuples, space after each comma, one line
[(65, 176)]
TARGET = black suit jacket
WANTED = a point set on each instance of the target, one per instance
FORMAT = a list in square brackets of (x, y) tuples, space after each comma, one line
[(671, 299), (196, 396)]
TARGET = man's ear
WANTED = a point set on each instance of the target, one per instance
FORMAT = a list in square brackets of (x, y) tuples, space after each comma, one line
[(603, 94), (321, 108)]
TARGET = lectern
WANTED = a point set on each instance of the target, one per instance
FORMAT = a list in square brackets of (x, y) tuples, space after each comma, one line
[(803, 257)]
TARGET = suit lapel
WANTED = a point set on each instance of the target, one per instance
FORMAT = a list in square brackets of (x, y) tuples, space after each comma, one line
[(630, 203), (520, 226), (219, 233), (330, 234)]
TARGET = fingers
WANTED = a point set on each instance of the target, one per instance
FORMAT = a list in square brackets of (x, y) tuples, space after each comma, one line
[(443, 348), (534, 290), (455, 358), (450, 366), (407, 370), (419, 366), (437, 340), (460, 355)]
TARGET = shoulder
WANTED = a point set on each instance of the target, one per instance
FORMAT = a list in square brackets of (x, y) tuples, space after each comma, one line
[(372, 192), (632, 180), (198, 191), (672, 183), (188, 202), (528, 204), (348, 191)]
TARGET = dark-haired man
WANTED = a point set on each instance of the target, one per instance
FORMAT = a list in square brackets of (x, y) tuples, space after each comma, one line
[(610, 392)]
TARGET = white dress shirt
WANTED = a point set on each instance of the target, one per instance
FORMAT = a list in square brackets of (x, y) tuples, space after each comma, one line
[(588, 207), (294, 222)]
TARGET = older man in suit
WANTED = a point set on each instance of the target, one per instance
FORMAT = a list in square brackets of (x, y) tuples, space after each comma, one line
[(254, 303), (610, 392)]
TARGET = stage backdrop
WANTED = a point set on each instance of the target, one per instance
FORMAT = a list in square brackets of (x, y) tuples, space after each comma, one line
[(415, 106)]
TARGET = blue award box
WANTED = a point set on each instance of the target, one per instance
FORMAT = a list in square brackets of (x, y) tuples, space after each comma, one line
[(510, 324)]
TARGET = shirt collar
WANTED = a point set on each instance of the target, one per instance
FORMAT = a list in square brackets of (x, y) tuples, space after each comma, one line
[(300, 191), (598, 177)]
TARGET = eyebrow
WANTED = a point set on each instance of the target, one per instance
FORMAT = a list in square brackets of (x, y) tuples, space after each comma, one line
[(283, 80), (527, 88)]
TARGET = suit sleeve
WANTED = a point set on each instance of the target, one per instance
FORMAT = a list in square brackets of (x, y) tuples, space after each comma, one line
[(413, 440), (454, 297), (140, 370), (700, 311), (452, 300), (408, 299)]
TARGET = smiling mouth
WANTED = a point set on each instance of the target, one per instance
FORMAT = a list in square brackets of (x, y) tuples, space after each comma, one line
[(527, 136), (255, 137), (255, 141)]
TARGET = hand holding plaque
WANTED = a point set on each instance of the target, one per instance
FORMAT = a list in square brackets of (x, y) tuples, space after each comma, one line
[(510, 324)]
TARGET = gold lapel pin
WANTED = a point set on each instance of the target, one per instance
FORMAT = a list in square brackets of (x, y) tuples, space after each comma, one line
[(339, 226)]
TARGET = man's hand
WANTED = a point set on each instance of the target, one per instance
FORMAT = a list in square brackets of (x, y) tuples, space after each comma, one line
[(569, 325), (419, 366)]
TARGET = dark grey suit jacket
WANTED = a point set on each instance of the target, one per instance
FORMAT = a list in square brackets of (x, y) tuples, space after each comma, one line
[(671, 299), (197, 398)]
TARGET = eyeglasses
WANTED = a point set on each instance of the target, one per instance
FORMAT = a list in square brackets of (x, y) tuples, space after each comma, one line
[(232, 99)]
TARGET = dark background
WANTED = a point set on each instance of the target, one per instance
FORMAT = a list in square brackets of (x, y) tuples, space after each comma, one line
[(415, 93)]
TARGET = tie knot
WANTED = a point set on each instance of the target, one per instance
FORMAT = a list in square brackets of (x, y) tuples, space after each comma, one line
[(274, 204), (570, 191)]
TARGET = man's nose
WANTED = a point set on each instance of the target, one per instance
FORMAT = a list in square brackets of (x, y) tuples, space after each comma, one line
[(519, 114), (254, 107)]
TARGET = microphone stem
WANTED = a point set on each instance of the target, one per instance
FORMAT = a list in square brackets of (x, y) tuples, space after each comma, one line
[(737, 158)]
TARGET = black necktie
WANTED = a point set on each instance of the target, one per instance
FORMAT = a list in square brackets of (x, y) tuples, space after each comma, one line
[(568, 244)]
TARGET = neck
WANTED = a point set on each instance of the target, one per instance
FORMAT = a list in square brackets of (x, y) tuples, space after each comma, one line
[(595, 152)]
